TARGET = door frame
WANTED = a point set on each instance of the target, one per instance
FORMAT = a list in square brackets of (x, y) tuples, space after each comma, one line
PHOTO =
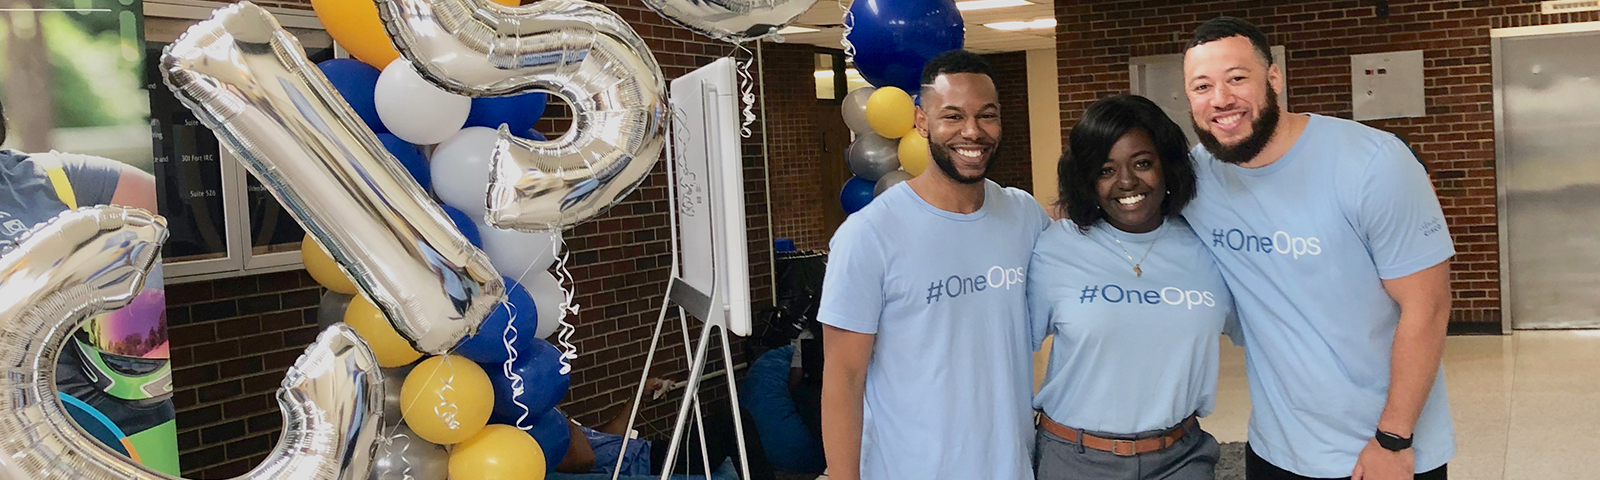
[(1496, 36)]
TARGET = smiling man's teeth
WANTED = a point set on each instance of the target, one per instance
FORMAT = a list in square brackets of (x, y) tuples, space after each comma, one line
[(1130, 200), (969, 152), (1230, 118)]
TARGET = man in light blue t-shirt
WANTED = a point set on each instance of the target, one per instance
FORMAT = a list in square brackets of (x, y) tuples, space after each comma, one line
[(928, 372), (1333, 243)]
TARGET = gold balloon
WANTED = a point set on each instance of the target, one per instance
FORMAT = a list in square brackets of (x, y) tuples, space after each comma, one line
[(323, 269), (914, 154), (391, 349), (890, 112), (498, 452), (447, 399)]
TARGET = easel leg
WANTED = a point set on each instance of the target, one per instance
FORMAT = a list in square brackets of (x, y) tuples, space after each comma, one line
[(638, 396), (695, 370), (733, 396)]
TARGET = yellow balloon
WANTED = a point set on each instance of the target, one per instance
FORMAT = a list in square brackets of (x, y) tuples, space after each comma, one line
[(498, 452), (508, 3), (914, 154), (447, 399), (355, 26), (391, 349), (323, 269), (890, 112)]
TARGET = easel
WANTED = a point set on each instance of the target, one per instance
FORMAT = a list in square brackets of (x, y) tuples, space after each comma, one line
[(707, 306)]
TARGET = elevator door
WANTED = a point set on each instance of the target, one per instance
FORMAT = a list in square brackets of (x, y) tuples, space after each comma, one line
[(1548, 129)]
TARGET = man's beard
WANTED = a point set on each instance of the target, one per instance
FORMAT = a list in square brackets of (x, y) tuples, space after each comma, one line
[(941, 157), (1261, 131)]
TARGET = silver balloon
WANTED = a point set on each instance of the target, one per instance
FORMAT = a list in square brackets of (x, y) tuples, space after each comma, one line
[(889, 180), (405, 454), (871, 156), (250, 82), (854, 108), (579, 50), (731, 20), (331, 310), (93, 260), (393, 379)]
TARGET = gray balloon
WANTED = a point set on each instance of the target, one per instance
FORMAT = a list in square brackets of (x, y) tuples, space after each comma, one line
[(406, 454), (393, 379), (331, 310), (890, 180), (871, 156), (855, 109)]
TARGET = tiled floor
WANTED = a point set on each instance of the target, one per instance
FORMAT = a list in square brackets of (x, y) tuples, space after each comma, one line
[(1526, 406)]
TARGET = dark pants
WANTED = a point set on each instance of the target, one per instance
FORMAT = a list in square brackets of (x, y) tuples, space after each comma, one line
[(721, 445), (1256, 468), (1193, 457)]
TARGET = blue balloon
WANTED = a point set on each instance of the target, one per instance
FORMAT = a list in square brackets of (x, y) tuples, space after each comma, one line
[(539, 364), (856, 194), (464, 224), (894, 39), (488, 345), (409, 156), (355, 81), (553, 436), (532, 134), (518, 112)]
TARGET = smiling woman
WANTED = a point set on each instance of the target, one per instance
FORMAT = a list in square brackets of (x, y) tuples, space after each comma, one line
[(1125, 179)]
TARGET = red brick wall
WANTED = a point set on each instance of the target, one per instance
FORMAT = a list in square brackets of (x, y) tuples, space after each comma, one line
[(234, 338), (1014, 166), (805, 208), (1094, 40)]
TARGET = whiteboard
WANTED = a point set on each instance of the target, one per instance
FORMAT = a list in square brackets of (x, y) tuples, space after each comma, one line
[(713, 275)]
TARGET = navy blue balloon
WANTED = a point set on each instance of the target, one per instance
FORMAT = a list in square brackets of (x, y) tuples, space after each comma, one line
[(894, 39), (539, 364), (553, 436), (488, 345), (464, 224), (856, 194), (518, 112), (411, 157), (532, 134), (355, 81)]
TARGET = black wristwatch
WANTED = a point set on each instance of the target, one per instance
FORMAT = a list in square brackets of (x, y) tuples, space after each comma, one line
[(1392, 442)]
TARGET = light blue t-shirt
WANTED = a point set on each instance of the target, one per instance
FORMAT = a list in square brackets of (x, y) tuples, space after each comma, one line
[(1305, 243), (948, 386), (1131, 354)]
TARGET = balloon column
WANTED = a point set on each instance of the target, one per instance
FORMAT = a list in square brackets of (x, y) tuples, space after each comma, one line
[(891, 41), (342, 144)]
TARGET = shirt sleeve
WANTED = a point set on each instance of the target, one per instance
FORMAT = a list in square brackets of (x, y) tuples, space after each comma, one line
[(1039, 304), (852, 288), (94, 179), (1399, 215)]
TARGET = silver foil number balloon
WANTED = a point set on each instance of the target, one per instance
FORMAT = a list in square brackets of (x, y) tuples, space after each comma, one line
[(732, 20), (93, 260), (249, 81), (579, 50)]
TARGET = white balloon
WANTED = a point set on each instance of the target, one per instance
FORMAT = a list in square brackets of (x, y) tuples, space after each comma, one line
[(519, 255), (415, 110), (460, 169), (547, 297)]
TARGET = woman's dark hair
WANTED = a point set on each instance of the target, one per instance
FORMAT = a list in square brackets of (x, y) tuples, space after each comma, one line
[(1089, 146)]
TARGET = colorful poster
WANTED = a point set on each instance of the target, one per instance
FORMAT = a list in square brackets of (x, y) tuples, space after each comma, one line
[(72, 92)]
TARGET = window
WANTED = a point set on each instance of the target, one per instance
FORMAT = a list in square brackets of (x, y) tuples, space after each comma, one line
[(223, 222)]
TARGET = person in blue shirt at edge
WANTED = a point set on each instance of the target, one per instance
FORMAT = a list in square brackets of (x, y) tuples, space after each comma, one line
[(1333, 243), (35, 188), (929, 372), (1135, 302)]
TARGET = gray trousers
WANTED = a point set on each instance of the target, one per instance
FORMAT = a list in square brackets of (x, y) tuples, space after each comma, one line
[(1194, 457)]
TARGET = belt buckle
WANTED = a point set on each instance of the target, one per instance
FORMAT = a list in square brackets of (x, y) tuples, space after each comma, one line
[(1117, 448)]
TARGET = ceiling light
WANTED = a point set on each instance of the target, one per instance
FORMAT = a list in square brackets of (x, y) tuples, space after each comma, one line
[(796, 30), (1036, 24), (971, 5)]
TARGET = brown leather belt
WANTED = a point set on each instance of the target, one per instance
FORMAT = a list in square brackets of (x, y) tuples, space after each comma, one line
[(1121, 448)]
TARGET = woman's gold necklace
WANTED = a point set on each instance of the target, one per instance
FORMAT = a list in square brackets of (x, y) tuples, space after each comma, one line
[(1138, 272)]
